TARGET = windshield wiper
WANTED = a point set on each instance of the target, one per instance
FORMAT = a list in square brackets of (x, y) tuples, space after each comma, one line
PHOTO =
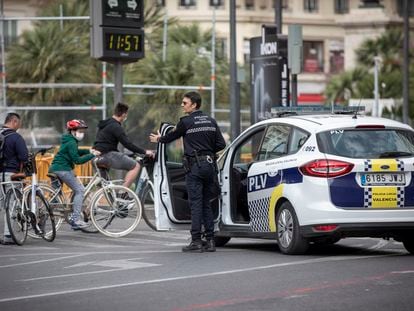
[(394, 154)]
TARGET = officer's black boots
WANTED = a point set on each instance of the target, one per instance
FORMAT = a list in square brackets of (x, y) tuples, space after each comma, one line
[(194, 247), (209, 246)]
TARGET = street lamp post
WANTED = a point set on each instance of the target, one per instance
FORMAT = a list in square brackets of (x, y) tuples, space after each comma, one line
[(375, 109)]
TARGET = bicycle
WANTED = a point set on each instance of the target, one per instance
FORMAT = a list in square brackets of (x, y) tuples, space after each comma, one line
[(113, 209), (28, 208), (144, 189)]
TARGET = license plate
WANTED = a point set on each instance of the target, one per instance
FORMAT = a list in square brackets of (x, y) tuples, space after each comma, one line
[(382, 179)]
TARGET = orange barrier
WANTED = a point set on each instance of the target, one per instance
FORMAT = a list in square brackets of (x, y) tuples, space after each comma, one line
[(43, 163)]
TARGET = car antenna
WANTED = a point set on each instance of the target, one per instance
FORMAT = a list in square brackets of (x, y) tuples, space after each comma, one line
[(356, 111)]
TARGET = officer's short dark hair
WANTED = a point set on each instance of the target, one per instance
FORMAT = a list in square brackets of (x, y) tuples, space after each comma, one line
[(120, 109), (10, 116), (195, 98)]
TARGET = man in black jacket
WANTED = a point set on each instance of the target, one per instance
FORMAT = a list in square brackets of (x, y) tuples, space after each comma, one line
[(202, 140), (110, 133), (15, 154)]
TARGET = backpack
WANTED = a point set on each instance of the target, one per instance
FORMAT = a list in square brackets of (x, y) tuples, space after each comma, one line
[(2, 141)]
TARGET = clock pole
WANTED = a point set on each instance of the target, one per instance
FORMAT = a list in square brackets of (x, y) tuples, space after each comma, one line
[(118, 82)]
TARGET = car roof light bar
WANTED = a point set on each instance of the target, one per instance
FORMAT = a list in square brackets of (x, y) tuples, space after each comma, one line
[(277, 112)]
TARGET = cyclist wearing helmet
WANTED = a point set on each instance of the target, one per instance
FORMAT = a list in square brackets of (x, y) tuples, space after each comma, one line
[(68, 155)]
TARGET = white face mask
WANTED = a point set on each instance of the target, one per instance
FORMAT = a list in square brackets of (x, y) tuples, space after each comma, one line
[(79, 136)]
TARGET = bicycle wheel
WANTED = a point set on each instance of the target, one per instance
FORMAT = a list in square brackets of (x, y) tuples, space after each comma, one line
[(147, 201), (57, 203), (86, 212), (16, 219), (43, 224), (115, 211)]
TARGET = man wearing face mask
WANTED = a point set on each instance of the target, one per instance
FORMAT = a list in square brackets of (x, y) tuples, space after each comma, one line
[(110, 134), (63, 163)]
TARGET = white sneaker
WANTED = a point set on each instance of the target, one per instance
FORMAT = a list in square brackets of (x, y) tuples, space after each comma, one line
[(78, 224)]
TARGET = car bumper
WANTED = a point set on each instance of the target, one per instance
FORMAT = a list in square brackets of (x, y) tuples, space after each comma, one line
[(383, 230)]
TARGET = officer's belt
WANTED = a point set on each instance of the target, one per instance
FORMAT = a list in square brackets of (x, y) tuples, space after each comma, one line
[(200, 158)]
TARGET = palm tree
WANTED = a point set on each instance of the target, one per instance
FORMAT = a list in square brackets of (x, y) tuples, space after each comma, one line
[(187, 63), (358, 83)]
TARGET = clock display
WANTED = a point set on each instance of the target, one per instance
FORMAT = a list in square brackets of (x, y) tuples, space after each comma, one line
[(126, 45), (123, 42)]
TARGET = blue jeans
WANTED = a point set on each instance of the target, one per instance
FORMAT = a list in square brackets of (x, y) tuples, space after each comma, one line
[(69, 178), (200, 187)]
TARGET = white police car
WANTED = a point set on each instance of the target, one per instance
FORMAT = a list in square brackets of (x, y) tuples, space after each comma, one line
[(303, 179)]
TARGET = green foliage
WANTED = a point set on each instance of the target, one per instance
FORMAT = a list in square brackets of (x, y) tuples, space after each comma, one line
[(187, 63), (359, 83)]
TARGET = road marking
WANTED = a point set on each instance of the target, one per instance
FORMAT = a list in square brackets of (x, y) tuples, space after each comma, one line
[(380, 244), (40, 261), (93, 253), (195, 276), (118, 265), (403, 272)]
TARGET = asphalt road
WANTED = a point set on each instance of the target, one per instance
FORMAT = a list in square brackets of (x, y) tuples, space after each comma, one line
[(147, 271)]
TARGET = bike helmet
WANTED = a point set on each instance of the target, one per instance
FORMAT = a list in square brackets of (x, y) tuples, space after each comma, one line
[(76, 124)]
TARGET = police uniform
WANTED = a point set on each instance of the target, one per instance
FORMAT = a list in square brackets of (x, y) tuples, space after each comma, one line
[(202, 140)]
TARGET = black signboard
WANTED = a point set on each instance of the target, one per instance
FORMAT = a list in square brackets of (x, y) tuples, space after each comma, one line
[(269, 75), (123, 13)]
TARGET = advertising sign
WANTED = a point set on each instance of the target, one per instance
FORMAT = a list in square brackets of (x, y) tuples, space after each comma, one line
[(269, 75)]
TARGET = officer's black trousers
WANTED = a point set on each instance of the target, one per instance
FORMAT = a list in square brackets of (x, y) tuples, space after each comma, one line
[(200, 187)]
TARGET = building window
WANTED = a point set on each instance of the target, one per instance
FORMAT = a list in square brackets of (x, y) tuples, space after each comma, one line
[(246, 50), (341, 6), (216, 3), (187, 3), (336, 56), (10, 32), (313, 56), (370, 3), (249, 4), (221, 48), (310, 6)]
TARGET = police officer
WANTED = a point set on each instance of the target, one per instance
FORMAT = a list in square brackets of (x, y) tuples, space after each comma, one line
[(202, 140)]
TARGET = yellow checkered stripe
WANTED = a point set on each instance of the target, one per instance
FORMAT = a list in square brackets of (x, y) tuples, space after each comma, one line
[(384, 197)]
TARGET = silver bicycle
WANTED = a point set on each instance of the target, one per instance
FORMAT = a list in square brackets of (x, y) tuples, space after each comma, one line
[(111, 208), (26, 206), (144, 189)]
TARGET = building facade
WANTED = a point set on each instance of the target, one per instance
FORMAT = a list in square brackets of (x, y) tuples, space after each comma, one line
[(332, 29)]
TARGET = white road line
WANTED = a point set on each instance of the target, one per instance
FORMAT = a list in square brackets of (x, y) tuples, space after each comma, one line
[(95, 253), (194, 276), (380, 244), (40, 261)]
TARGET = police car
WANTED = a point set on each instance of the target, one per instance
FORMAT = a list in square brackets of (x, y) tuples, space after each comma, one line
[(303, 179)]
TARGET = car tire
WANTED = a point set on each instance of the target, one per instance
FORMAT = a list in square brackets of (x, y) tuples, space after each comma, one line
[(409, 245), (221, 240), (288, 236)]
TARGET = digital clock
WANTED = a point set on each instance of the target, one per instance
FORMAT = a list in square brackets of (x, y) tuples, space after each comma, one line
[(121, 44)]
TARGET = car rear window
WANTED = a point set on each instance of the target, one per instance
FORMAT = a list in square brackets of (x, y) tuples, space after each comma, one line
[(367, 143)]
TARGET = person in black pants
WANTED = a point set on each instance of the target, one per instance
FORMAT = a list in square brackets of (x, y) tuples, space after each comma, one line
[(202, 140), (15, 154)]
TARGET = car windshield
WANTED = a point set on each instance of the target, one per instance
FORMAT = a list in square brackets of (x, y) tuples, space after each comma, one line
[(367, 143)]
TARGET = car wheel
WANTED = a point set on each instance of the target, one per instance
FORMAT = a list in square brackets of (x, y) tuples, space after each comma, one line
[(221, 240), (289, 239), (409, 245)]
